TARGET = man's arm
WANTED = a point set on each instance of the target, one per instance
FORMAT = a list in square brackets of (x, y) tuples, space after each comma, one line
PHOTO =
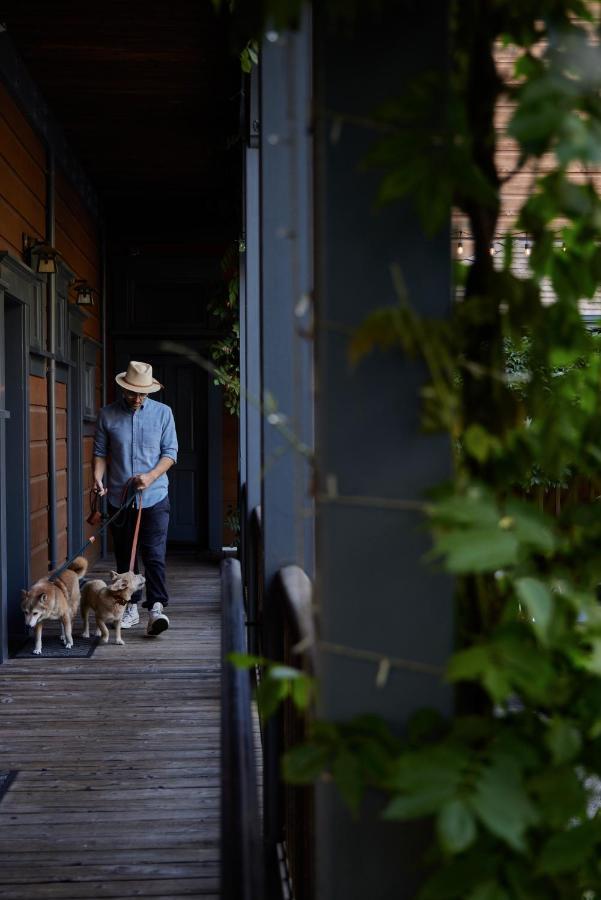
[(98, 470), (143, 481), (99, 454)]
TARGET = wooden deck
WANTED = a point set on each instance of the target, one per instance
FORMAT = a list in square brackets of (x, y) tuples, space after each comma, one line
[(118, 758)]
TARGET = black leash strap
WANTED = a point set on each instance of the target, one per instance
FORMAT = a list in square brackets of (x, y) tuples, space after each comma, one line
[(129, 498)]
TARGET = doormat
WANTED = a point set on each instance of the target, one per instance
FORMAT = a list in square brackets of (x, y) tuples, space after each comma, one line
[(6, 779), (53, 648)]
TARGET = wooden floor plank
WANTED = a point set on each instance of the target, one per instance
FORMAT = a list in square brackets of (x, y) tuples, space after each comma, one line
[(118, 758)]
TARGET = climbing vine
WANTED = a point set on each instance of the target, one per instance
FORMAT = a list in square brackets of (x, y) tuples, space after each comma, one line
[(512, 780), (225, 350)]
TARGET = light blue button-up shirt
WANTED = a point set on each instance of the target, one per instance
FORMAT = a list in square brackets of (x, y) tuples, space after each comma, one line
[(135, 441)]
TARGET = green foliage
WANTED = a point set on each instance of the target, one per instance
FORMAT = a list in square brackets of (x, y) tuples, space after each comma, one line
[(225, 350), (277, 683), (511, 783), (249, 56)]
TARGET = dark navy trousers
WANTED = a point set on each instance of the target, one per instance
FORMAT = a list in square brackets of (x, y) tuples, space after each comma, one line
[(152, 547)]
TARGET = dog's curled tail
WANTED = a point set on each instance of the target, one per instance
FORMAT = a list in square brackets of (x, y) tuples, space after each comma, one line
[(79, 566)]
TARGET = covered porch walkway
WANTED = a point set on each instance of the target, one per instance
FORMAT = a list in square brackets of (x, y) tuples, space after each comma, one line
[(118, 786)]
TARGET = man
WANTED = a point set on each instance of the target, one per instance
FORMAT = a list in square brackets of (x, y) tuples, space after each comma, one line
[(136, 436)]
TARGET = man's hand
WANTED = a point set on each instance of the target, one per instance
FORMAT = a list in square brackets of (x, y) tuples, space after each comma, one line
[(141, 482), (99, 488)]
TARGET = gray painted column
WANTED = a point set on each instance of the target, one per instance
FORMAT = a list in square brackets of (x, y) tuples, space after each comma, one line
[(251, 399), (286, 287), (215, 462), (374, 592)]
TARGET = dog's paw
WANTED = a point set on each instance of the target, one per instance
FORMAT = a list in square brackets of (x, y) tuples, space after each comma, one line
[(37, 652), (98, 633), (69, 645), (63, 639), (120, 641), (85, 634), (104, 640)]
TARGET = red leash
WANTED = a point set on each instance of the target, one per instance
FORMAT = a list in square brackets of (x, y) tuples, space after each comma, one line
[(134, 545)]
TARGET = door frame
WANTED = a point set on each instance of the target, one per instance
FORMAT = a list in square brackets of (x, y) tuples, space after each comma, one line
[(22, 291), (14, 455)]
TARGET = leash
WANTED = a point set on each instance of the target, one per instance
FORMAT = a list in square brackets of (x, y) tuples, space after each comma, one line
[(134, 543), (91, 540)]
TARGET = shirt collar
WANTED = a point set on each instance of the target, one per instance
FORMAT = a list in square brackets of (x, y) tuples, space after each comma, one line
[(123, 404)]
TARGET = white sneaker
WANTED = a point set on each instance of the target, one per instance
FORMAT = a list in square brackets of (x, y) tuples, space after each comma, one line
[(157, 620), (131, 616)]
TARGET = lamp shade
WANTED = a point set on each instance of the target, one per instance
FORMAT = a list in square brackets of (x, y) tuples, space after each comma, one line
[(85, 294), (46, 264)]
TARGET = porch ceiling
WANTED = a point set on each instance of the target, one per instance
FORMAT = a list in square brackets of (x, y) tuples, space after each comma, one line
[(146, 92)]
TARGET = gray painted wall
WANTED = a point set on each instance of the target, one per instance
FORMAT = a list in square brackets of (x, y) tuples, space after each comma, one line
[(373, 591)]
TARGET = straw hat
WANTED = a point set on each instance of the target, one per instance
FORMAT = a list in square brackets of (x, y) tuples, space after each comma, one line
[(138, 378)]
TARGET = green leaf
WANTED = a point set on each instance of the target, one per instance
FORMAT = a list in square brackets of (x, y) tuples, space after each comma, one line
[(481, 550), (560, 794), (456, 827), (479, 443), (280, 672), (502, 804), (569, 850), (537, 599), (425, 781), (303, 764), (270, 693), (347, 775), (476, 507), (489, 890), (245, 660), (301, 691), (531, 527), (563, 740)]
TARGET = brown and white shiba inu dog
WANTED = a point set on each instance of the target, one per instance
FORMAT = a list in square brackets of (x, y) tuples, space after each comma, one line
[(108, 602), (56, 599)]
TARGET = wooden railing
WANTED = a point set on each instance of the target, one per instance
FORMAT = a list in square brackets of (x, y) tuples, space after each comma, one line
[(241, 847), (280, 627)]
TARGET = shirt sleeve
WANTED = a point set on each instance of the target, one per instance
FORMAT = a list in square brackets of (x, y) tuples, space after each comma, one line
[(101, 440), (169, 445)]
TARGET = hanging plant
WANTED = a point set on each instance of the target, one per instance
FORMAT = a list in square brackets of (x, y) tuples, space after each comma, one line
[(225, 350)]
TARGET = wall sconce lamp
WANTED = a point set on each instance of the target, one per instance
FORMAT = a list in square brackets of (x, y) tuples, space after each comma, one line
[(84, 291), (46, 255)]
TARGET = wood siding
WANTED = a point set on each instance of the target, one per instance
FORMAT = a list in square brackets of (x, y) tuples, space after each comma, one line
[(22, 178), (23, 210)]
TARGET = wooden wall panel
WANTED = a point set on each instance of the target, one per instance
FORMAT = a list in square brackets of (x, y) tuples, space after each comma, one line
[(22, 178), (23, 209), (78, 240), (21, 128), (38, 493)]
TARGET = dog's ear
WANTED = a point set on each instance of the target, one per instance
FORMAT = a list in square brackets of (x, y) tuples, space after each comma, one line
[(43, 598), (114, 575), (24, 593), (119, 585)]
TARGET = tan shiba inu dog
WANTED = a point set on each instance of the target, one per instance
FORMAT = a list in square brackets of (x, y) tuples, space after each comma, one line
[(108, 602), (56, 599)]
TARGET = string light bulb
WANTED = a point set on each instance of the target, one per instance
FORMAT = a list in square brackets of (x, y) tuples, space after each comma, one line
[(491, 249), (460, 246), (563, 246), (527, 248)]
